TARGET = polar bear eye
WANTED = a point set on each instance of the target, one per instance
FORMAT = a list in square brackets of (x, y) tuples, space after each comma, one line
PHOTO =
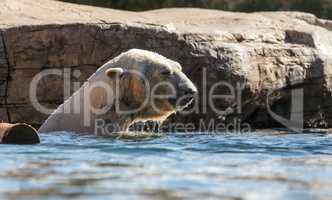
[(166, 73)]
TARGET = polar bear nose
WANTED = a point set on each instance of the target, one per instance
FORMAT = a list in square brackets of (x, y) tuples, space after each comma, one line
[(191, 91)]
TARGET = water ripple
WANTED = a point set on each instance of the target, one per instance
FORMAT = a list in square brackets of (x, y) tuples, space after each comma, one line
[(169, 166)]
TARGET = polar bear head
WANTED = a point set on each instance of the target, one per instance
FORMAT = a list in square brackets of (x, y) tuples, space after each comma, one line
[(150, 86), (135, 86)]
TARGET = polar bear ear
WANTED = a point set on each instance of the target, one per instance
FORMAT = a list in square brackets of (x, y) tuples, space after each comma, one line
[(112, 72)]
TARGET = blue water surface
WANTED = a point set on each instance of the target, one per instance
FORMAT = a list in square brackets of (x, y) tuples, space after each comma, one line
[(169, 166)]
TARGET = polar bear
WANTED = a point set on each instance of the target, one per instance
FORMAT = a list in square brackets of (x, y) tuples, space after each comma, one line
[(136, 86)]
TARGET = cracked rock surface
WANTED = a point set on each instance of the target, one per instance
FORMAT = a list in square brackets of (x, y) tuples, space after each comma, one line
[(264, 52)]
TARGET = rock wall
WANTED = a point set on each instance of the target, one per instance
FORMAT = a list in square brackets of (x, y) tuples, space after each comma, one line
[(279, 51)]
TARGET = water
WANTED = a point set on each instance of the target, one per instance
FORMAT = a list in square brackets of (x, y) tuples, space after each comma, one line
[(170, 166)]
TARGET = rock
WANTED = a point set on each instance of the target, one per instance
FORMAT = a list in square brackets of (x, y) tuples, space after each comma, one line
[(4, 114), (3, 80), (266, 51), (26, 113)]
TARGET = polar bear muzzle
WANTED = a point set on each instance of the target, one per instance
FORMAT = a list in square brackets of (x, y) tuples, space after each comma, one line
[(185, 91)]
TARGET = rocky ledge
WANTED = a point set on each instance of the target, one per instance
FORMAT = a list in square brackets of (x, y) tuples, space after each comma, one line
[(271, 54)]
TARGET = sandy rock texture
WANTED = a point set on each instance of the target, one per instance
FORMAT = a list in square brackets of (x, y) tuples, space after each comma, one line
[(266, 51)]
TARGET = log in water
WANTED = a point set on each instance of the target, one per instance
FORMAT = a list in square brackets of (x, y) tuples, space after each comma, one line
[(18, 134)]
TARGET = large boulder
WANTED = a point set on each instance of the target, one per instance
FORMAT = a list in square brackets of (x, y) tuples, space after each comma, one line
[(264, 52)]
